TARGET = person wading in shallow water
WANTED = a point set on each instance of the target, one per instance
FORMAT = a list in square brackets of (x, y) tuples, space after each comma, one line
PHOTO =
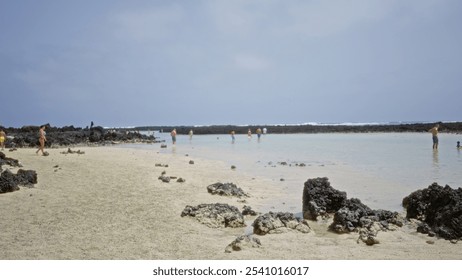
[(173, 134), (42, 140), (434, 132)]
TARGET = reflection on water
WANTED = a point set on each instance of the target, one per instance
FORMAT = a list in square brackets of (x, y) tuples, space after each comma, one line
[(436, 166), (435, 158)]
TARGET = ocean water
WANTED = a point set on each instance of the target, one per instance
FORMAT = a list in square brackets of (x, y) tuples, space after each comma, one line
[(378, 168)]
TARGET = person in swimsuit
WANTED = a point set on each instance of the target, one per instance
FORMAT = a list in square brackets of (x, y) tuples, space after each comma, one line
[(434, 132), (173, 134), (42, 140), (2, 139)]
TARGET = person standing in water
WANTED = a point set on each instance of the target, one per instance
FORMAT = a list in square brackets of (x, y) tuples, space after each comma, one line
[(434, 132), (191, 134), (259, 133), (173, 134), (233, 138)]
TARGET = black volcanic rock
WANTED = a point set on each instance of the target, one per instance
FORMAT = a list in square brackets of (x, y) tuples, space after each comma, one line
[(10, 182), (349, 215), (440, 208), (320, 199), (27, 136)]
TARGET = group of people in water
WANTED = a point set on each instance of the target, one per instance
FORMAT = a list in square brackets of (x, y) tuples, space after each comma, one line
[(434, 132), (258, 131), (42, 137)]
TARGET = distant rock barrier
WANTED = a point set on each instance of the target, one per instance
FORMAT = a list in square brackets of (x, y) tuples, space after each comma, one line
[(438, 208), (216, 215), (278, 223), (452, 127), (226, 189)]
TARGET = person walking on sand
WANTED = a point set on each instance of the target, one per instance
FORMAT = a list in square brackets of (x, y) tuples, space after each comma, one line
[(173, 134), (42, 140), (434, 131), (2, 139)]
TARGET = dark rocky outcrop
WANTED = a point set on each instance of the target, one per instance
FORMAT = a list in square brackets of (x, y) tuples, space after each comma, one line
[(4, 160), (27, 136), (354, 214), (226, 189), (279, 222), (438, 208), (320, 199), (10, 182), (216, 215)]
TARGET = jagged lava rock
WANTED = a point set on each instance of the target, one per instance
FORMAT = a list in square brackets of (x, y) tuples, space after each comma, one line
[(439, 207), (278, 223), (320, 199), (216, 215)]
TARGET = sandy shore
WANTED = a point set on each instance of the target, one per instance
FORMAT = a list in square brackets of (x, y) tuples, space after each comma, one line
[(109, 204)]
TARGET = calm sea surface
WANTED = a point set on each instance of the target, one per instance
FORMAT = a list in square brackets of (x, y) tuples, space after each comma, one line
[(378, 168)]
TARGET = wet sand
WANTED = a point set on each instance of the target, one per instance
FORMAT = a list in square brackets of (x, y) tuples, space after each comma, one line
[(109, 204)]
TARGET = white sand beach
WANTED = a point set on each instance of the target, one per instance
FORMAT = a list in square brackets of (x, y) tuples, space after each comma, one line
[(109, 204)]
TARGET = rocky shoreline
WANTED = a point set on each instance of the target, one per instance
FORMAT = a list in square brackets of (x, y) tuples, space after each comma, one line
[(27, 136)]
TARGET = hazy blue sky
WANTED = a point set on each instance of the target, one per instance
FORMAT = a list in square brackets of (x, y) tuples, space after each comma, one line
[(130, 63)]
